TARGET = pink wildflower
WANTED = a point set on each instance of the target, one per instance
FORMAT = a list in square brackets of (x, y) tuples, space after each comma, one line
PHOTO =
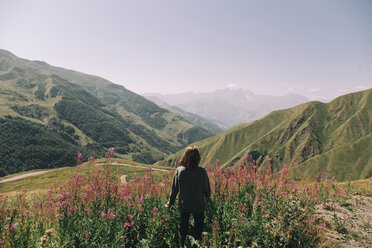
[(26, 212), (111, 214), (269, 159), (340, 191), (129, 217), (87, 234), (217, 162), (112, 149), (1, 241), (79, 155), (91, 159), (140, 200), (294, 160), (155, 211), (284, 170), (60, 196), (129, 223)]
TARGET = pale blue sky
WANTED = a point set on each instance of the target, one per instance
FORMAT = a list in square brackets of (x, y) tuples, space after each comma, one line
[(317, 48)]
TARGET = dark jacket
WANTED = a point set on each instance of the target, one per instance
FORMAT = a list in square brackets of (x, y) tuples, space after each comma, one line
[(193, 186)]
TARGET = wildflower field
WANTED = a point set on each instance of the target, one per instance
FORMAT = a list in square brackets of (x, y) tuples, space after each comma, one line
[(248, 208)]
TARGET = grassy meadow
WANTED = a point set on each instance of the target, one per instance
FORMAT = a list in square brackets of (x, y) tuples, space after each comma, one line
[(55, 177), (88, 206)]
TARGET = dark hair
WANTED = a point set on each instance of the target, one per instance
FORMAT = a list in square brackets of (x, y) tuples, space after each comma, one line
[(191, 158)]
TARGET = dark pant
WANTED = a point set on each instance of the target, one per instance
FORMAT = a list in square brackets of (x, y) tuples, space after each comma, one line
[(198, 226)]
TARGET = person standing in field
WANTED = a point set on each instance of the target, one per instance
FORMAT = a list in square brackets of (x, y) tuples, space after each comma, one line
[(192, 184)]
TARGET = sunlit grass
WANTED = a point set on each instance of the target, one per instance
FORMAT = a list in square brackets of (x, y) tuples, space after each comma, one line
[(359, 186), (57, 176)]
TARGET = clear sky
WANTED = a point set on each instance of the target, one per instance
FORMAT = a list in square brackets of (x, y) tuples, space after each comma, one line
[(317, 48)]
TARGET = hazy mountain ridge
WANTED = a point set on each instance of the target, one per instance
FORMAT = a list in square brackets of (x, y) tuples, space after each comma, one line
[(229, 107), (334, 138), (193, 118), (90, 114)]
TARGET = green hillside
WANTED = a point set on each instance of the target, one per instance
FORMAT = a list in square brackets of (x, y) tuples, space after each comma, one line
[(45, 119), (169, 125), (335, 138)]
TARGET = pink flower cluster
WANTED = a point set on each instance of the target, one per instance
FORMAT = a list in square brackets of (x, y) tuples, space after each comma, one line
[(129, 222), (109, 215)]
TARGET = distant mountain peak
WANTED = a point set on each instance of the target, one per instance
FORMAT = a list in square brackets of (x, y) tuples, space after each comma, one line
[(229, 106)]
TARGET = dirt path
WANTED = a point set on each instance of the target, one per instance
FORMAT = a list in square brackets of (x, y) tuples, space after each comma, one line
[(24, 176), (349, 225), (139, 166), (123, 178)]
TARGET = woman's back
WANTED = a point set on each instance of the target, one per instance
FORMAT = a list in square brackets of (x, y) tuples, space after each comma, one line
[(192, 183), (193, 187)]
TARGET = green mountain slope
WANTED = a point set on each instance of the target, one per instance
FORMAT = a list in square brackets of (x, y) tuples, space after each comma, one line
[(88, 116), (333, 138), (166, 124)]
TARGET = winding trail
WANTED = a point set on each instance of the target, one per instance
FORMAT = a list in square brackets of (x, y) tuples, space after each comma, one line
[(123, 178), (36, 173), (139, 166), (24, 176)]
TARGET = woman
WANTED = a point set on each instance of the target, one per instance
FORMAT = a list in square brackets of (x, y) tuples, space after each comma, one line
[(192, 184)]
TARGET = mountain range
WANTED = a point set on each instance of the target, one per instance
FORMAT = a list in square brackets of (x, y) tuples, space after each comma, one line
[(48, 113), (334, 139), (227, 107)]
